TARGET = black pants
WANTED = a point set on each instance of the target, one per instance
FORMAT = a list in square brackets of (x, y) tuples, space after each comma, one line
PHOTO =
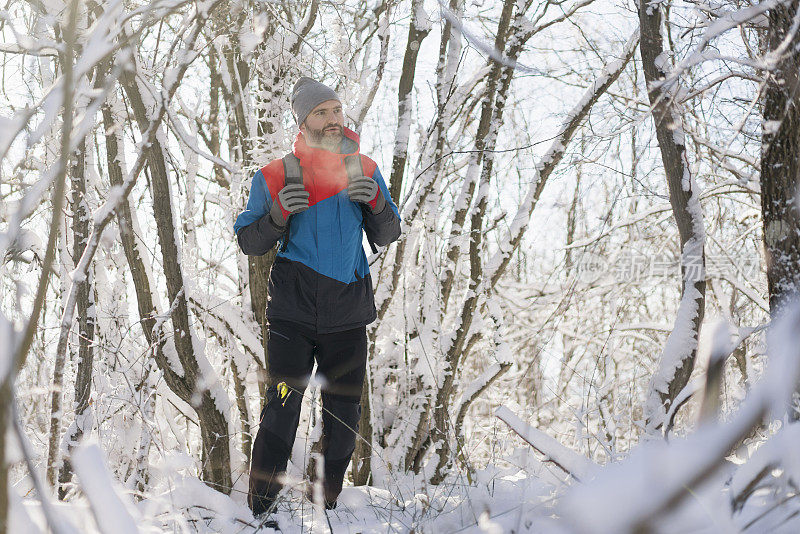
[(341, 363)]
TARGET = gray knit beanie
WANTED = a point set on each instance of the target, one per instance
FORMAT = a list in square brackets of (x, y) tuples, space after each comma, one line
[(308, 94)]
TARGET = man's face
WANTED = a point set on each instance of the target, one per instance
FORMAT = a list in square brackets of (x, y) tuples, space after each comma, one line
[(324, 126)]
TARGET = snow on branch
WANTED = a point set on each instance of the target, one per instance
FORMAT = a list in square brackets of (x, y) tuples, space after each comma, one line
[(569, 461), (227, 318), (497, 264), (55, 520), (175, 125), (681, 344), (726, 21), (780, 451), (529, 31), (109, 509), (658, 475), (478, 386)]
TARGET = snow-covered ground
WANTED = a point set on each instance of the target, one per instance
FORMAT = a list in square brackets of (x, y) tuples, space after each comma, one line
[(498, 501)]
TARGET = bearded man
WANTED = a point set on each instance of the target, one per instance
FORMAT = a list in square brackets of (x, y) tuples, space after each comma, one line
[(315, 203)]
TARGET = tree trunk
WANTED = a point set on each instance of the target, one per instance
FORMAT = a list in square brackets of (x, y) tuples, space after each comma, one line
[(417, 31), (493, 107), (362, 455), (449, 50), (468, 188), (213, 423), (56, 409), (779, 160), (86, 317), (244, 412), (85, 302), (136, 262), (678, 357), (241, 147)]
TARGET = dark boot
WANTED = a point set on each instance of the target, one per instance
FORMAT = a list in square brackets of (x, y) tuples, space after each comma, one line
[(327, 499), (259, 504)]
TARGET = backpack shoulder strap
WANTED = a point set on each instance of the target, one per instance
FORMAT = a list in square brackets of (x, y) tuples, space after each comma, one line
[(352, 165), (292, 174), (355, 169)]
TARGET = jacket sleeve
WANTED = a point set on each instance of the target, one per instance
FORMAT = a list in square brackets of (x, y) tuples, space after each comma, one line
[(255, 231), (384, 227)]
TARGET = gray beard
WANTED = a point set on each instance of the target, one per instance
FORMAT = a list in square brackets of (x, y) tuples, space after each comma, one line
[(328, 142)]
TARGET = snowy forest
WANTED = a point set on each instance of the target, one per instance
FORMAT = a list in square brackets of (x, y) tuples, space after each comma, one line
[(588, 324)]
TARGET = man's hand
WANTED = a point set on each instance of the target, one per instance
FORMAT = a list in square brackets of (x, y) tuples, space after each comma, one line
[(365, 190), (293, 198)]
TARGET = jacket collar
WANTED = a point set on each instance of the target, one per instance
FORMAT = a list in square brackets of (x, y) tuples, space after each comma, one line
[(313, 156)]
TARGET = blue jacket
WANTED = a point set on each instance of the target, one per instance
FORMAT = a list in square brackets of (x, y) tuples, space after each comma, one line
[(322, 279)]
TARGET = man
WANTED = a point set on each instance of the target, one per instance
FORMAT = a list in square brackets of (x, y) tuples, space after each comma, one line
[(320, 289)]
